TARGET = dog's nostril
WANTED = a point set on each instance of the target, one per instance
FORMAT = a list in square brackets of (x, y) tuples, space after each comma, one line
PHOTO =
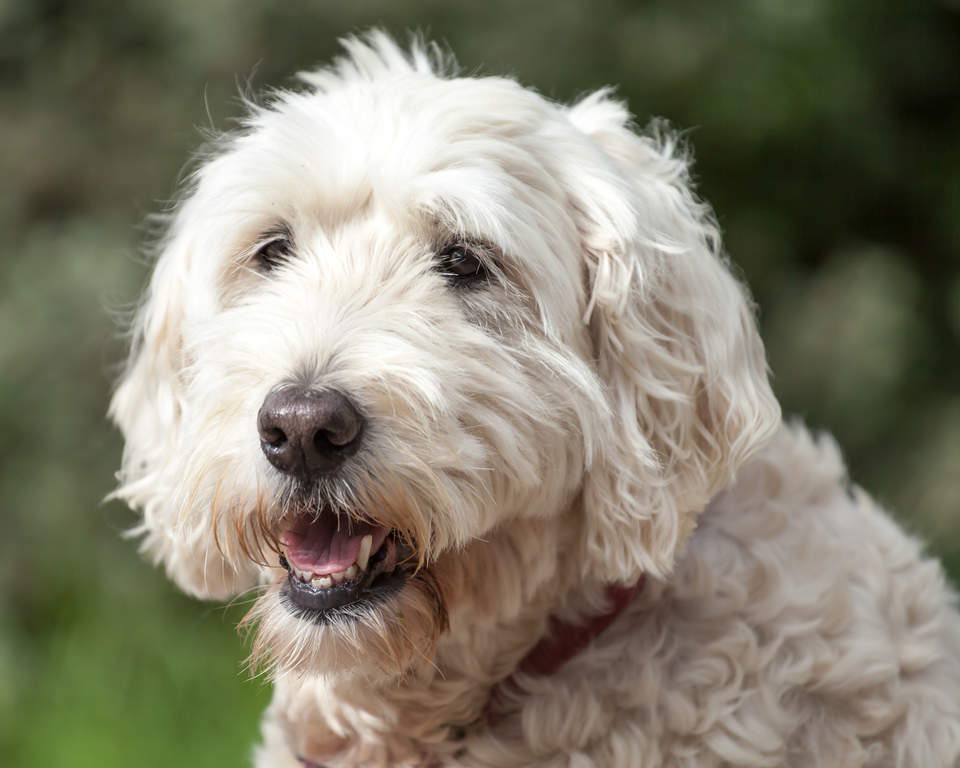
[(323, 442), (274, 437), (324, 439)]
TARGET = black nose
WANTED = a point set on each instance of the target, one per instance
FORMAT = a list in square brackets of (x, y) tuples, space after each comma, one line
[(306, 432)]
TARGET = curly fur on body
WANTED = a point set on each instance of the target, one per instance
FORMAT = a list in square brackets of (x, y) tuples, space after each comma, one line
[(596, 409)]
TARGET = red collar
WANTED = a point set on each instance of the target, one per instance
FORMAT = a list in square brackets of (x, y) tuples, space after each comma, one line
[(562, 642), (566, 640)]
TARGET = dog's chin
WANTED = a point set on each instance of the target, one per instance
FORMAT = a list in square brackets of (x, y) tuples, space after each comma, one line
[(344, 600), (380, 637)]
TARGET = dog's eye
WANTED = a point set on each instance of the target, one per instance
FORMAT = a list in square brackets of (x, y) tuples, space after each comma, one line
[(461, 265), (273, 253)]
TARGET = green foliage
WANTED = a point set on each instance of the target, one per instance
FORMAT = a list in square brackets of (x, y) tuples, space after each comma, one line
[(826, 136)]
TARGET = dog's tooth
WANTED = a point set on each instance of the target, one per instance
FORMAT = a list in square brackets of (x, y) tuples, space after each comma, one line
[(337, 577), (304, 575), (364, 557), (350, 573), (322, 582)]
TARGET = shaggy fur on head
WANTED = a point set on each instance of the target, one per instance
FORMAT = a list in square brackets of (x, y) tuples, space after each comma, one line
[(562, 423)]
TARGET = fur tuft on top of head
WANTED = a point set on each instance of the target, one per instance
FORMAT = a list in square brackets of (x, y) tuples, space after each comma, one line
[(374, 55)]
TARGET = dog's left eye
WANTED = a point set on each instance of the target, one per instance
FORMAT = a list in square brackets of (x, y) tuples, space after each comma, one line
[(461, 265), (273, 253)]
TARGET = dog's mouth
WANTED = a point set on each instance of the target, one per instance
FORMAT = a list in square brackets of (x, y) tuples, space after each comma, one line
[(335, 564)]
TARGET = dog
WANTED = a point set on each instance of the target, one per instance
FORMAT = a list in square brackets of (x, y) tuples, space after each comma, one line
[(459, 381)]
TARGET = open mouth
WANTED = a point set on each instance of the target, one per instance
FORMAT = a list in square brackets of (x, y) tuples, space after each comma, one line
[(336, 563)]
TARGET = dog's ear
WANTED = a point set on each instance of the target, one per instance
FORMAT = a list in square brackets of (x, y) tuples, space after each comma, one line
[(675, 342), (148, 406)]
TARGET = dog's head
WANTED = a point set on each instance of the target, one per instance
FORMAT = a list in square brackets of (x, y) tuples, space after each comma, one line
[(399, 312)]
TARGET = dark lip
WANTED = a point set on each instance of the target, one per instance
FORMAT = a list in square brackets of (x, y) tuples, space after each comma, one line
[(343, 600)]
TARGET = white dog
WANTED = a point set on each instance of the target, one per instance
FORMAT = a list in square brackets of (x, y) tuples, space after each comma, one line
[(459, 379)]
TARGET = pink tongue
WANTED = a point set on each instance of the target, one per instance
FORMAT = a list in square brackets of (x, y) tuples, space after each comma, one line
[(319, 547)]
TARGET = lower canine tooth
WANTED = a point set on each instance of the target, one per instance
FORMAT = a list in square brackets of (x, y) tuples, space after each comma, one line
[(363, 558), (350, 573)]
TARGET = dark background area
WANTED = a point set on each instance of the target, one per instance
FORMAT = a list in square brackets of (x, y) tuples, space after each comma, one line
[(827, 136)]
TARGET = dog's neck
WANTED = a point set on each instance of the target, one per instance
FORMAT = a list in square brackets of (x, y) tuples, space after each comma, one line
[(565, 639), (529, 617)]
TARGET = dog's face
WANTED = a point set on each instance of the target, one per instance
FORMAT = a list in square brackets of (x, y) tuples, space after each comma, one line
[(399, 313)]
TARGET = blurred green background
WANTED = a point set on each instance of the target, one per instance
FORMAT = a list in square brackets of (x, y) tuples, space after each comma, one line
[(827, 134)]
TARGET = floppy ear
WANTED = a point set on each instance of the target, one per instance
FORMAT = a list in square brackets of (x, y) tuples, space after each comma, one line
[(675, 342), (149, 406)]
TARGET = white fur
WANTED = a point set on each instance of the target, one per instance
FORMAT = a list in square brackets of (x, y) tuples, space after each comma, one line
[(567, 426)]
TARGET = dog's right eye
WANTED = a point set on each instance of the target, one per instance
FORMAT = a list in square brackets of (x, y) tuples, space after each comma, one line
[(462, 265), (272, 254)]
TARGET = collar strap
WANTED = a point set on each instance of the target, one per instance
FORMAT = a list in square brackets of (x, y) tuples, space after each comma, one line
[(565, 640), (562, 642)]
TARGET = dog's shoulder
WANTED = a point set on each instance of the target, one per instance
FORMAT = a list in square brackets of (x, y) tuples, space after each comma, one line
[(797, 582)]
